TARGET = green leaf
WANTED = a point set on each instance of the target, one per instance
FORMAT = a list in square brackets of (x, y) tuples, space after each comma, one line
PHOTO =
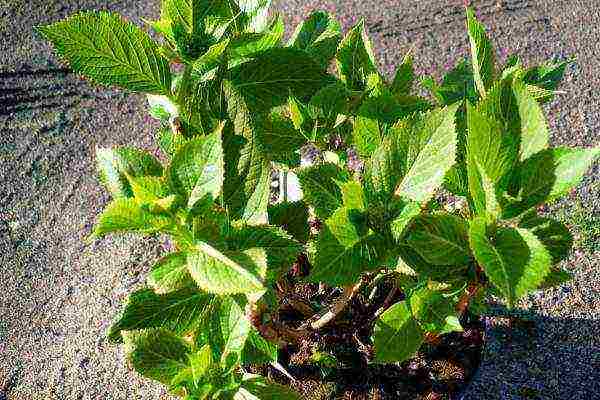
[(490, 157), (458, 84), (170, 274), (281, 250), (292, 217), (268, 79), (247, 171), (396, 335), (248, 45), (280, 140), (345, 248), (375, 117), (177, 312), (110, 51), (170, 142), (434, 312), (211, 59), (482, 54), (404, 78), (258, 350), (201, 363), (403, 219), (328, 103), (148, 189), (319, 35), (258, 388), (321, 189), (355, 59), (555, 236), (546, 77), (229, 330), (197, 169), (114, 165), (556, 277), (441, 239), (156, 353), (435, 157), (227, 273), (514, 260), (255, 14), (546, 176), (534, 130), (125, 215)]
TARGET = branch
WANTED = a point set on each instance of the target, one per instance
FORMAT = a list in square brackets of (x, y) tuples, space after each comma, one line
[(337, 307)]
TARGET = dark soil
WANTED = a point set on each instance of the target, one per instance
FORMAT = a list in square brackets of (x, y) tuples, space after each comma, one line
[(336, 361)]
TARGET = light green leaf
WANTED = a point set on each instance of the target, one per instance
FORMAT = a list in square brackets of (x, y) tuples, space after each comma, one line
[(321, 187), (514, 260), (435, 157), (255, 14), (197, 169), (177, 311), (555, 236), (534, 129), (247, 45), (227, 273), (258, 350), (355, 58), (170, 274), (259, 388), (272, 76), (319, 35), (148, 189), (110, 51), (441, 239), (201, 362), (434, 312), (291, 217), (544, 79), (156, 353), (281, 250), (345, 248), (114, 165), (211, 59), (546, 176), (482, 54), (403, 219), (125, 215), (229, 330), (396, 335)]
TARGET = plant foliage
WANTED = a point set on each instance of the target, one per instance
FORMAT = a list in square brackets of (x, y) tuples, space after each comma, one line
[(243, 106)]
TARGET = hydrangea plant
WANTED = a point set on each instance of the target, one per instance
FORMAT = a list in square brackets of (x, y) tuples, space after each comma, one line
[(434, 196)]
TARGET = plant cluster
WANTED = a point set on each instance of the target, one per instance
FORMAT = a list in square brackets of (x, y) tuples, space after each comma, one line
[(438, 197)]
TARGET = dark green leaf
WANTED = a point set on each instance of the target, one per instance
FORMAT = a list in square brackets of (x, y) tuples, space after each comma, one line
[(355, 58), (292, 217), (404, 78), (318, 35), (170, 273), (258, 350), (396, 335), (321, 187)]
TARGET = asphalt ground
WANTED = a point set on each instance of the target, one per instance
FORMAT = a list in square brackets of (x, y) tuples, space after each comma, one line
[(58, 295)]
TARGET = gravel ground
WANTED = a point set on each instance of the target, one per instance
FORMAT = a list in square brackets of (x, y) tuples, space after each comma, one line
[(59, 295)]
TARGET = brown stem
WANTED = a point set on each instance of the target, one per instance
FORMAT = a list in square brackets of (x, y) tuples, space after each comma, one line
[(337, 307)]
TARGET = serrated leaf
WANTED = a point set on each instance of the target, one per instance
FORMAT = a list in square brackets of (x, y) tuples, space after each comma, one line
[(396, 335), (441, 239), (319, 35), (345, 248), (156, 353), (328, 103), (434, 312), (435, 157), (110, 51), (126, 215), (482, 54), (375, 117), (556, 277), (555, 236), (320, 188), (177, 312), (272, 76), (114, 165), (281, 250), (197, 168), (534, 129), (292, 217), (403, 219), (259, 388), (227, 273), (170, 273), (355, 59), (148, 189), (404, 78), (514, 260), (280, 139), (229, 330), (201, 362), (169, 142), (544, 79), (247, 45), (458, 84), (547, 175), (210, 59), (247, 171), (258, 350)]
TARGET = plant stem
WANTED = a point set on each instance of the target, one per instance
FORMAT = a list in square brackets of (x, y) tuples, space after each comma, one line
[(337, 307)]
